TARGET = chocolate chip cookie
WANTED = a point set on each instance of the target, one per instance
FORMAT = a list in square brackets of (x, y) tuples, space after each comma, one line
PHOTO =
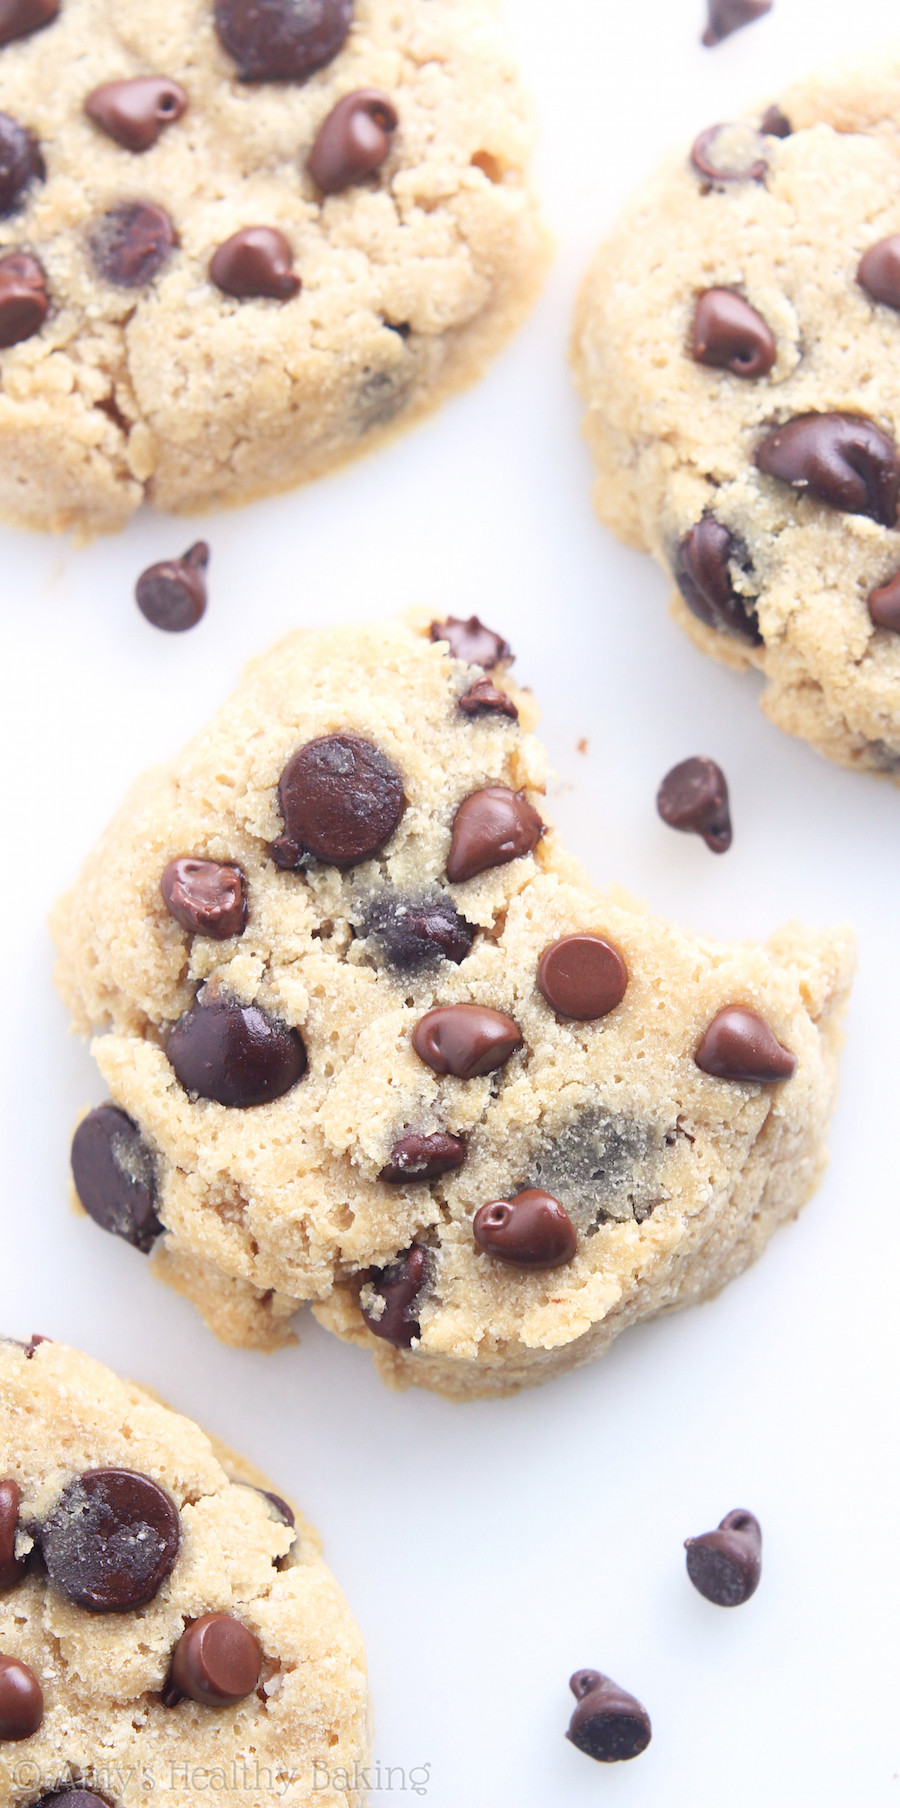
[(243, 242), (164, 1617), (372, 1039), (736, 343)]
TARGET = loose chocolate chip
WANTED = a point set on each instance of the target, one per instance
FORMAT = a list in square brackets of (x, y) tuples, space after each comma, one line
[(206, 897), (113, 1173), (21, 1700), (134, 113), (172, 594), (701, 571), (24, 302), (843, 460), (19, 18), (727, 153), (257, 261), (879, 271), (531, 1230), (775, 124), (414, 934), (608, 1723), (694, 797), (234, 1053), (465, 1039), (353, 141), (484, 697), (730, 335), (21, 164), (130, 243), (884, 604), (471, 641), (739, 1045), (582, 976), (282, 40), (216, 1661), (111, 1540), (725, 1565), (491, 828), (11, 1567), (418, 1157), (726, 16), (399, 1287), (341, 800)]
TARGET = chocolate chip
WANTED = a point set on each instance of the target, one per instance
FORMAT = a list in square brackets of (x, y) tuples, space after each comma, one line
[(843, 460), (172, 594), (206, 897), (582, 976), (739, 1045), (19, 18), (353, 140), (608, 1723), (114, 1178), (12, 1569), (729, 153), (130, 243), (726, 16), (879, 271), (234, 1053), (257, 261), (413, 934), (135, 112), (775, 124), (531, 1230), (484, 697), (701, 571), (694, 797), (283, 1512), (72, 1798), (282, 40), (216, 1661), (730, 335), (21, 1700), (399, 1287), (34, 1343), (21, 163), (418, 1157), (884, 604), (465, 1039), (111, 1540), (341, 800), (491, 828), (725, 1565), (24, 302), (472, 642)]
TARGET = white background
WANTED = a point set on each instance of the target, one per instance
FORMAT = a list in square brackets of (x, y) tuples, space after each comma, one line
[(490, 1549)]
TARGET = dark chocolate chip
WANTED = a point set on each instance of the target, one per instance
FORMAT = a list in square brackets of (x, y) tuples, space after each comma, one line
[(111, 1540), (130, 243), (419, 1157), (216, 1661), (206, 897), (465, 1039), (399, 1287), (412, 935), (608, 1723), (257, 261), (744, 160), (282, 40), (341, 800), (843, 460), (282, 1511), (582, 976), (114, 1177), (24, 302), (34, 1343), (726, 16), (471, 641), (72, 1798), (21, 164), (701, 571), (234, 1053), (172, 594), (694, 797), (725, 1565), (21, 1700), (12, 1568), (491, 828), (884, 604), (135, 112), (485, 698), (730, 335), (19, 18), (353, 140), (739, 1045), (879, 271), (775, 124), (531, 1230)]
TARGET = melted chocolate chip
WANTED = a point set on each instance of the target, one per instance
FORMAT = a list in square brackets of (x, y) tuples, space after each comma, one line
[(484, 698), (21, 164), (884, 604), (12, 1569), (21, 1700), (257, 261), (216, 1661), (465, 1039), (131, 243), (234, 1053), (701, 571), (725, 1565), (134, 113), (282, 40), (879, 271), (419, 1157), (582, 976), (739, 1045), (19, 18), (843, 460), (399, 1287), (413, 934), (341, 800), (531, 1230), (491, 828), (172, 594), (608, 1723), (727, 153), (206, 897), (353, 141), (730, 335), (114, 1178), (111, 1540), (694, 797), (726, 16), (471, 641), (24, 302), (775, 124)]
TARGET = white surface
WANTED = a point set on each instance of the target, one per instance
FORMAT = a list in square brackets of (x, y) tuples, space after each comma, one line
[(489, 1550)]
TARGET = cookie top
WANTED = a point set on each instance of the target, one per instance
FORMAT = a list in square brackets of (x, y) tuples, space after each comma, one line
[(736, 343), (254, 238), (173, 1616)]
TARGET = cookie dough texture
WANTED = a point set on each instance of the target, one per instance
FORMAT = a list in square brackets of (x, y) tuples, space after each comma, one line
[(187, 398), (673, 439), (102, 1673), (674, 1180)]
